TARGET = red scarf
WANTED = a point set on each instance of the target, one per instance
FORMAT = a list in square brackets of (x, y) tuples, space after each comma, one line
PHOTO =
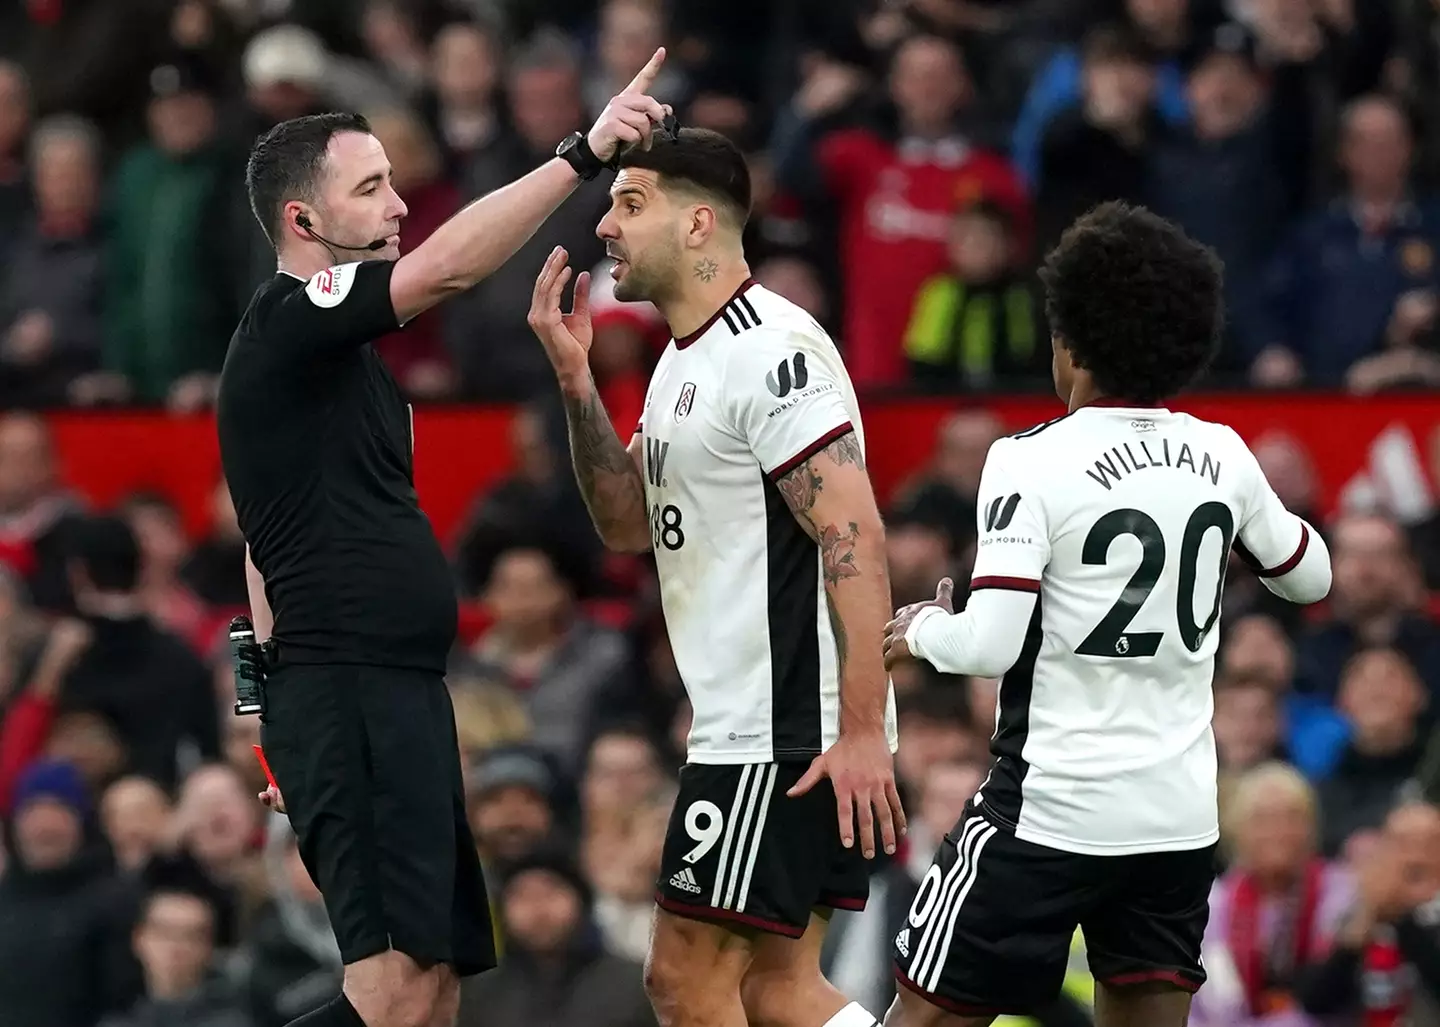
[(1384, 983), (1266, 972)]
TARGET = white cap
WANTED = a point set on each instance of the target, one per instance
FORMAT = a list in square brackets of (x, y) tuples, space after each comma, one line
[(285, 53)]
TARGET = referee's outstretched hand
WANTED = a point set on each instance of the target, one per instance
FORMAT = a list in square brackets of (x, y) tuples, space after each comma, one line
[(862, 770), (631, 115)]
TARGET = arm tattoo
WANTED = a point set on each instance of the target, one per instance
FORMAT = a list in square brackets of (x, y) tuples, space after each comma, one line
[(612, 489), (706, 269)]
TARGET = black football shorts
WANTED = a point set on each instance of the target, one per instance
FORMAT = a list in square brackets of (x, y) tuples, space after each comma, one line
[(369, 765), (990, 929), (740, 851)]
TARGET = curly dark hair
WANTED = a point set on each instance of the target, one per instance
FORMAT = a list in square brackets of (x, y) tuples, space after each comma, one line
[(1135, 301)]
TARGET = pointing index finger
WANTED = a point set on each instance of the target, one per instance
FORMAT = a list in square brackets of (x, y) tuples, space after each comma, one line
[(641, 82)]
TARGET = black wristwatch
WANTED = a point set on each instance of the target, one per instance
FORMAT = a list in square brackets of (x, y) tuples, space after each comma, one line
[(575, 148)]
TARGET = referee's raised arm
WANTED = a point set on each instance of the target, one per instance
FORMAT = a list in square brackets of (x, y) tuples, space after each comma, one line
[(484, 235)]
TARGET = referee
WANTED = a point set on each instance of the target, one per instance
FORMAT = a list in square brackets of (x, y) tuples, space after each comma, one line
[(317, 445)]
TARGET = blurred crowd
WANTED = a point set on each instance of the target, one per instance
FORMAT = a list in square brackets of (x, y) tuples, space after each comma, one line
[(913, 158)]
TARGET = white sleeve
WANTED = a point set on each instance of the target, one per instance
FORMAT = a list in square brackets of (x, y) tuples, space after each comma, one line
[(1285, 553), (786, 399), (1013, 550)]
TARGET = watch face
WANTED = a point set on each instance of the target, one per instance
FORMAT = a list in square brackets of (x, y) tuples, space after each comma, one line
[(566, 145)]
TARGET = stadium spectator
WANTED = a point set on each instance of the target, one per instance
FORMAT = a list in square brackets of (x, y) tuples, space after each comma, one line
[(539, 496), (218, 825), (63, 958), (51, 289), (292, 961), (1384, 965), (215, 570), (949, 485), (624, 770), (936, 727), (977, 325), (395, 41), (30, 718), (1277, 908), (1359, 275), (555, 973), (37, 513), (1232, 177), (22, 630), (486, 329), (143, 679), (465, 72), (169, 303), (630, 30), (135, 815), (1098, 149), (1246, 723), (155, 522), (894, 189), (1373, 602), (545, 649), (416, 355), (1384, 701), (918, 546), (487, 715), (622, 866), (1164, 25), (510, 796), (180, 926), (14, 127)]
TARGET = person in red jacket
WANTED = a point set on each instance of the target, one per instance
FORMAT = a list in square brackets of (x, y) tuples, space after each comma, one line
[(895, 194)]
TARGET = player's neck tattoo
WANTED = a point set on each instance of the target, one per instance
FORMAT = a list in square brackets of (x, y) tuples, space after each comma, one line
[(706, 269)]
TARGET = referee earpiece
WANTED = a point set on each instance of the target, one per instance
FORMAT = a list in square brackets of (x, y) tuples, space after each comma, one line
[(302, 220)]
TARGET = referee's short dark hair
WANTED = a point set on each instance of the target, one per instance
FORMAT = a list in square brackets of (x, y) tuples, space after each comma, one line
[(286, 163), (107, 550), (700, 161), (1135, 301)]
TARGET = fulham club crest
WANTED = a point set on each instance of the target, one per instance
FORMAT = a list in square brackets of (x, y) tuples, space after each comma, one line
[(685, 402)]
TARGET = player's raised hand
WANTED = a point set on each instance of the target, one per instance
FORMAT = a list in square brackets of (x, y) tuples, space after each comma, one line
[(566, 337), (630, 116), (895, 647), (272, 799), (862, 770)]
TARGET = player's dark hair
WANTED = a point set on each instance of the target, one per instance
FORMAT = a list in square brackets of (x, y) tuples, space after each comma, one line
[(1135, 301), (703, 161), (107, 550), (286, 163)]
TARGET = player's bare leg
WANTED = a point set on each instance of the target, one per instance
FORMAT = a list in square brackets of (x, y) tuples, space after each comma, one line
[(390, 989), (785, 987), (1156, 1004), (694, 970), (910, 1010)]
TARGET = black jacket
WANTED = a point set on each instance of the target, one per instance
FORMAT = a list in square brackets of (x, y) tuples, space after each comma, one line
[(64, 945), (154, 689)]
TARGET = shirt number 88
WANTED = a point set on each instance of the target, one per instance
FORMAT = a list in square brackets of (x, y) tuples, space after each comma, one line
[(665, 527)]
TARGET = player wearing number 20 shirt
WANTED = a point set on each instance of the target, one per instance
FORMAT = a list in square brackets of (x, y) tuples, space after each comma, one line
[(1103, 538)]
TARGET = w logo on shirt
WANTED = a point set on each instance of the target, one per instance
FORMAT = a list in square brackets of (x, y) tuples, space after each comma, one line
[(780, 380), (999, 513)]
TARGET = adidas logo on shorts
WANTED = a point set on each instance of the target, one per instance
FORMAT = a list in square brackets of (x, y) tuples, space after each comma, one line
[(902, 942), (685, 881)]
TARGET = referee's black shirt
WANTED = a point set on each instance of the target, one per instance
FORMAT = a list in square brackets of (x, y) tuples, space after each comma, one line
[(315, 439)]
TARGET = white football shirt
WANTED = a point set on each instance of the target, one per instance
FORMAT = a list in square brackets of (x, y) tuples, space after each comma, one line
[(1113, 525), (731, 409)]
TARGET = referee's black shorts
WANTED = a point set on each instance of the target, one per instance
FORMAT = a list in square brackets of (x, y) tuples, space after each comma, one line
[(369, 765)]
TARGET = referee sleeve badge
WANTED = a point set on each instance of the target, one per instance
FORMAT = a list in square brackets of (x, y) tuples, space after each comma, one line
[(329, 288)]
